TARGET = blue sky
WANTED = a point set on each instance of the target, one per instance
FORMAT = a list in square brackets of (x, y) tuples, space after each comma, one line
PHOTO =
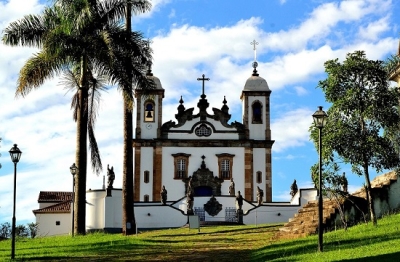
[(191, 38)]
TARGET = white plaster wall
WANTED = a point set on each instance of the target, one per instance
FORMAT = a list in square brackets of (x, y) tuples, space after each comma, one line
[(176, 188), (47, 224), (158, 217), (146, 163), (113, 210), (394, 195), (258, 165), (95, 209)]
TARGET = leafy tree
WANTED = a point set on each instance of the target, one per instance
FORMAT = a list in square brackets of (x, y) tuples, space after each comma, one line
[(32, 229), (363, 104), (5, 230), (21, 231), (85, 34)]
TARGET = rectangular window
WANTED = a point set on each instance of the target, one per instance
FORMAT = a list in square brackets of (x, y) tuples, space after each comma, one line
[(181, 163), (181, 168), (146, 176), (225, 162), (225, 170), (58, 223)]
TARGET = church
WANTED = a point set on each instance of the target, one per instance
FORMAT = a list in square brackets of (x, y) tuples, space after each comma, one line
[(173, 153), (195, 165)]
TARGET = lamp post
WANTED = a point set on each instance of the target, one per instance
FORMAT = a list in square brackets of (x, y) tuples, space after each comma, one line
[(15, 154), (320, 120), (73, 170)]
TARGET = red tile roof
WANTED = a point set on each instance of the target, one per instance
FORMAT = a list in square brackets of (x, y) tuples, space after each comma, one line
[(54, 196), (63, 207)]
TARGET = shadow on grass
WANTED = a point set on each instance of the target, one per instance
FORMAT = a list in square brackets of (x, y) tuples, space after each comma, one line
[(242, 230), (308, 245), (381, 258)]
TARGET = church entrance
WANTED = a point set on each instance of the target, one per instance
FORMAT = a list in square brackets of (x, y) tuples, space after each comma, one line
[(203, 191)]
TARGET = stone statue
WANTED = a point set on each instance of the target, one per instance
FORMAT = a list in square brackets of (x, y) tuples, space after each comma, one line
[(293, 188), (232, 188), (189, 186), (260, 195), (189, 201), (239, 201), (110, 176), (163, 195)]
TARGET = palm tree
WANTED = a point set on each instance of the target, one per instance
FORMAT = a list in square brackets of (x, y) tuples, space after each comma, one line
[(76, 33), (128, 215)]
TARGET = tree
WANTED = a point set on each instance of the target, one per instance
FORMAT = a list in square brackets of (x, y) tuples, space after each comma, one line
[(32, 229), (363, 104), (79, 33), (5, 230), (128, 215)]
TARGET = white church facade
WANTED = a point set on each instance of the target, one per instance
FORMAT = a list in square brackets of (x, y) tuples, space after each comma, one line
[(201, 161)]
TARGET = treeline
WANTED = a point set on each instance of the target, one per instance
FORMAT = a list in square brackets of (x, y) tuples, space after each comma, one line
[(30, 230)]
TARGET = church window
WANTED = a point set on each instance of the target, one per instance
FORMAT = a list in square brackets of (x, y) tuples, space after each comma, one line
[(181, 163), (225, 162), (149, 111), (146, 198), (202, 130), (146, 176), (257, 113), (259, 177)]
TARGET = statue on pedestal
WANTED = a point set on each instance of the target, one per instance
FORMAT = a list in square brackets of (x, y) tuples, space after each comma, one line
[(232, 188), (163, 194)]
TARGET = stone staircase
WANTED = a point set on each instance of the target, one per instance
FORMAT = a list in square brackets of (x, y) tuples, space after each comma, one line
[(305, 222)]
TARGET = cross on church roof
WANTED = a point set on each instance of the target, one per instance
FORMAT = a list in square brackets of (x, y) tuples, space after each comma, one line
[(255, 64), (254, 43), (203, 79)]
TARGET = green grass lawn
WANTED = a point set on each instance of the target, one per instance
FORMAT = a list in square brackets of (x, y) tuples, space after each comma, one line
[(216, 243)]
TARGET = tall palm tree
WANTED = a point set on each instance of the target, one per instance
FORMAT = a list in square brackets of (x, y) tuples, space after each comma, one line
[(128, 215), (76, 33)]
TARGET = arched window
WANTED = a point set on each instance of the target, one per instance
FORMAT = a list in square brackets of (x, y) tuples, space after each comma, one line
[(146, 176), (257, 112), (259, 177), (149, 111), (146, 198)]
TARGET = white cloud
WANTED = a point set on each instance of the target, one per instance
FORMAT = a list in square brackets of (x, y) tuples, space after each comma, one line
[(290, 129), (374, 29), (301, 91)]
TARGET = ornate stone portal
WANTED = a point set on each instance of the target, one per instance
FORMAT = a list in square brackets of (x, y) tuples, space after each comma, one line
[(203, 177)]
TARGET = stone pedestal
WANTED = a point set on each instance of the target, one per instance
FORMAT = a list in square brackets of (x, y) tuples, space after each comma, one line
[(239, 214)]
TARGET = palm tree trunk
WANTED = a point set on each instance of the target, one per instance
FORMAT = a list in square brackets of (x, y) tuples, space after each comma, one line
[(128, 217), (81, 154)]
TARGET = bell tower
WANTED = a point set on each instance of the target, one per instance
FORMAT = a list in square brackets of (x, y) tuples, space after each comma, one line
[(256, 119), (149, 109)]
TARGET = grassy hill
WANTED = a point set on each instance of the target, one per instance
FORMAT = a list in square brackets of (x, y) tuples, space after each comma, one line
[(216, 243)]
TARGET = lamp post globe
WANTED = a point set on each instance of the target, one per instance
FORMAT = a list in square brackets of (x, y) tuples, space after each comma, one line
[(320, 118), (15, 154)]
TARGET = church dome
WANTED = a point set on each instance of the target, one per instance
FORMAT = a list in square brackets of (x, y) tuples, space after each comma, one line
[(156, 81), (256, 83)]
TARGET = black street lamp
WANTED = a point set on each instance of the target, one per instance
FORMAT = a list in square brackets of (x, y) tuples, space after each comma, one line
[(15, 154), (320, 120), (73, 170)]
